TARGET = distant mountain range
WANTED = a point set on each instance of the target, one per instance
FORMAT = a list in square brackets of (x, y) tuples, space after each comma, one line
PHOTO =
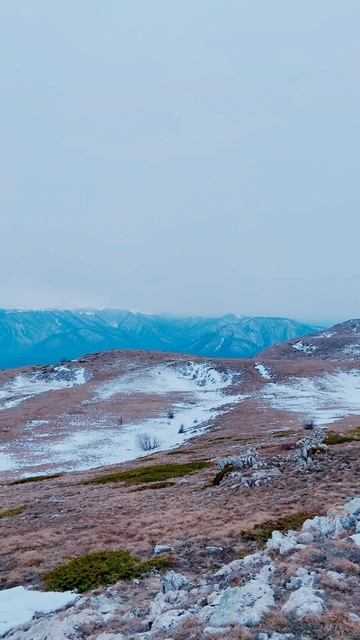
[(49, 336)]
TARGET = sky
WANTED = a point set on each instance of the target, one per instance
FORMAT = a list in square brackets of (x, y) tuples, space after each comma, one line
[(182, 156)]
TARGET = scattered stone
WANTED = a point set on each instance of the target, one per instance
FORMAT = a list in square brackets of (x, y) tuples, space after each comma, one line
[(253, 478), (170, 620), (334, 524), (214, 549), (249, 459), (245, 605), (303, 578), (335, 576), (162, 548), (305, 537), (245, 564), (308, 448), (353, 507), (173, 582), (356, 538), (214, 598), (305, 601), (284, 543)]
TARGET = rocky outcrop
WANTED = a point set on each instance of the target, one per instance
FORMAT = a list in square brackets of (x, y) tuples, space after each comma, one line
[(241, 594)]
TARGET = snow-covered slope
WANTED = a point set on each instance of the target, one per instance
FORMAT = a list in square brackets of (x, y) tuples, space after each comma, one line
[(25, 386), (340, 342), (196, 393), (49, 336), (324, 399)]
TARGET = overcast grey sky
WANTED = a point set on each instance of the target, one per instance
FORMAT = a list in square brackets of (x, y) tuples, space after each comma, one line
[(189, 156)]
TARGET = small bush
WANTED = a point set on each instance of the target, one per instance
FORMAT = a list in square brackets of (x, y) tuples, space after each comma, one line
[(170, 414), (10, 513), (222, 474), (153, 473), (262, 532), (98, 569), (37, 478), (182, 429), (147, 441)]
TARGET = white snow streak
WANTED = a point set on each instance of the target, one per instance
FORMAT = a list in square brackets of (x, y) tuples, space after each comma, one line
[(264, 371)]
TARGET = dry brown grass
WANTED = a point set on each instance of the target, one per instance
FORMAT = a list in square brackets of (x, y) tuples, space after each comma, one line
[(94, 516), (334, 625), (343, 565)]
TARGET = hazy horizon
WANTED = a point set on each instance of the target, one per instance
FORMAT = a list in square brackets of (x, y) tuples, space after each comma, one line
[(198, 158), (311, 321)]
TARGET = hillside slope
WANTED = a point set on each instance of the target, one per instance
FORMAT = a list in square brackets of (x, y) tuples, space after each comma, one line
[(49, 336), (340, 342)]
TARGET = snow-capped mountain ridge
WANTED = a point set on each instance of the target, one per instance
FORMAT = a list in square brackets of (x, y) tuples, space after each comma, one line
[(49, 336)]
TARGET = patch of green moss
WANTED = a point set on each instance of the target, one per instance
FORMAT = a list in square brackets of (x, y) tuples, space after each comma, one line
[(10, 513), (262, 532), (98, 569), (339, 438), (153, 485), (37, 478), (153, 473)]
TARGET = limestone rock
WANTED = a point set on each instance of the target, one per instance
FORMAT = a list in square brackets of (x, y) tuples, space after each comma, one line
[(305, 601), (356, 538), (243, 605), (170, 620), (303, 578), (162, 548), (353, 506), (284, 544), (173, 581)]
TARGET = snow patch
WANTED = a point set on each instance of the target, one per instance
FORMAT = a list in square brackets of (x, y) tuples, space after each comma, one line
[(94, 442), (19, 605), (325, 398), (166, 379), (23, 387)]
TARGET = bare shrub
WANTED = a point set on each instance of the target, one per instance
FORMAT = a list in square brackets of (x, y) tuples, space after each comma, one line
[(182, 429), (170, 414), (147, 441)]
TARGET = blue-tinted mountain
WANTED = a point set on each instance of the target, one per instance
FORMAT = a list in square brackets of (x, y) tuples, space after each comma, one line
[(49, 336)]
